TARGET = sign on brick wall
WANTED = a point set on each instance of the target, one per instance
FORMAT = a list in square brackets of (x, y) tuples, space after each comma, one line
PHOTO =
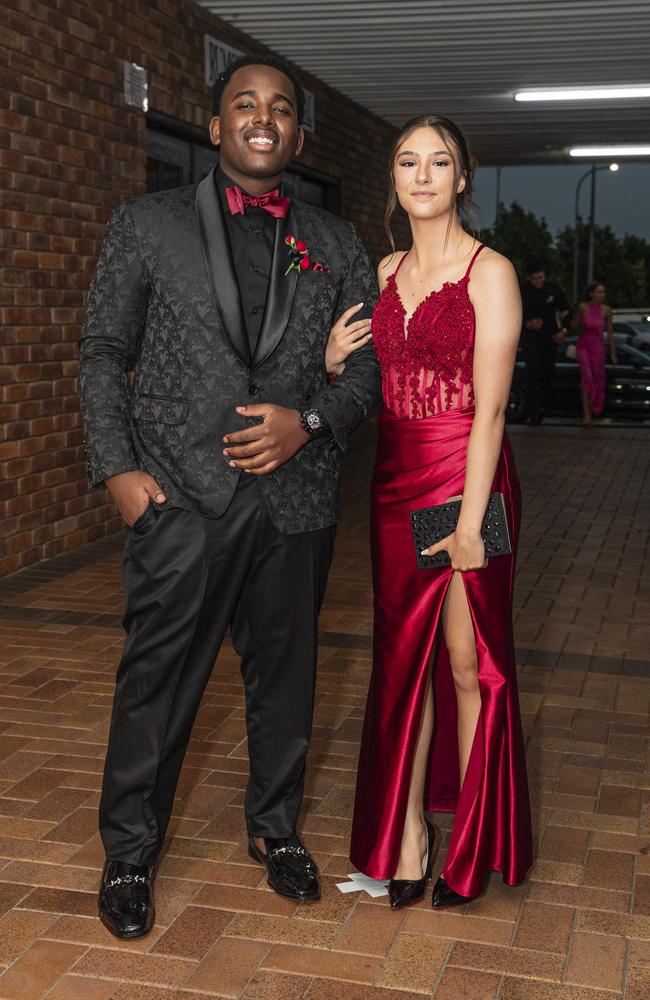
[(309, 119), (218, 57), (136, 86)]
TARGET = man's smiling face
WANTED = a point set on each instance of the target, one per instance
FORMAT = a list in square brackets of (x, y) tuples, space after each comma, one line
[(257, 129)]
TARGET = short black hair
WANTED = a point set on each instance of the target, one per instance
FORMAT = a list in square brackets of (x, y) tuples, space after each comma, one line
[(224, 78), (535, 266)]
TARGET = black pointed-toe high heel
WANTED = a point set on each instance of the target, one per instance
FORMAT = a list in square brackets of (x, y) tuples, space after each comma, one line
[(405, 891), (444, 895)]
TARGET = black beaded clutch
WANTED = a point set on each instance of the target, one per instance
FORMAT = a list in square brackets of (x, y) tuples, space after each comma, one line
[(430, 524)]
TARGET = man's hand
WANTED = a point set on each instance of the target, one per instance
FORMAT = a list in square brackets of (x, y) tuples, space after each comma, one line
[(266, 446), (534, 324), (131, 492)]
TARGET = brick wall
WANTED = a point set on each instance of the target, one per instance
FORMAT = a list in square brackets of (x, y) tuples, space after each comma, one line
[(70, 150)]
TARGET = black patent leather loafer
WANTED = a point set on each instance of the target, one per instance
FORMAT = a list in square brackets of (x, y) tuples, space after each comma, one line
[(126, 900), (406, 892), (444, 895), (290, 869)]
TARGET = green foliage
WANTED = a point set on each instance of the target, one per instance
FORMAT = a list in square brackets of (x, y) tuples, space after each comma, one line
[(623, 264), (520, 236)]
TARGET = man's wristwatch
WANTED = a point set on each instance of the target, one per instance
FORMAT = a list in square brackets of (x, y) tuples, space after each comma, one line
[(313, 421)]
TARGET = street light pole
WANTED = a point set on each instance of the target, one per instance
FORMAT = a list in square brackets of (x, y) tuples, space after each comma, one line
[(592, 217), (496, 214), (593, 169), (575, 235)]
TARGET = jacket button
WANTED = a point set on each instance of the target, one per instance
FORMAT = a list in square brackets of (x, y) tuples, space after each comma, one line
[(253, 389)]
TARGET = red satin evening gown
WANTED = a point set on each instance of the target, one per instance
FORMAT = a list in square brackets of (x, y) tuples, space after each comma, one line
[(424, 428)]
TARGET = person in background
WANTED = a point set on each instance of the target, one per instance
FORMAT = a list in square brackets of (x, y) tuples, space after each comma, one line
[(593, 315), (545, 325)]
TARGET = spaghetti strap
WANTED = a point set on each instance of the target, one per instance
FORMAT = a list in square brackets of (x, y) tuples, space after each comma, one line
[(401, 262), (471, 263)]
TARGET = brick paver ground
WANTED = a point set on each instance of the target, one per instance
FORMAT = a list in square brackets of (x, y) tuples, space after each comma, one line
[(579, 929)]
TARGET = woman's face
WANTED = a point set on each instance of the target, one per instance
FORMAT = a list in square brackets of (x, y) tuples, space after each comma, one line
[(598, 294), (423, 169)]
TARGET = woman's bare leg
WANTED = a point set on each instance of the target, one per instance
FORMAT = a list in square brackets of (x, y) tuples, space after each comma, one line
[(414, 836), (458, 631), (459, 636)]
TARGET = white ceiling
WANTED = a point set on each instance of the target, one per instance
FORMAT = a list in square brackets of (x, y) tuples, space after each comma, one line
[(465, 58)]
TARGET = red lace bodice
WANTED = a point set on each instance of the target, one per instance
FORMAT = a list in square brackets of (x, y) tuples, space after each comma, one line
[(426, 368)]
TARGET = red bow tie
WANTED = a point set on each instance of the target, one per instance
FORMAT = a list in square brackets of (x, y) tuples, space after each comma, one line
[(272, 202)]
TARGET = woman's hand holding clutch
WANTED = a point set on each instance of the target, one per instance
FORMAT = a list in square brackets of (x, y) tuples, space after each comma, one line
[(466, 551)]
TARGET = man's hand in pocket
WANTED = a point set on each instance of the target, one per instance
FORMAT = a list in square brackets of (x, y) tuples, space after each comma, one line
[(131, 493)]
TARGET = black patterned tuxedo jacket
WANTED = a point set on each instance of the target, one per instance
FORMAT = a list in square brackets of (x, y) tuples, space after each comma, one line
[(164, 302)]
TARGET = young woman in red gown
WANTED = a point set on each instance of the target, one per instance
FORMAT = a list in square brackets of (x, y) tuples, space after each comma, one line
[(446, 329)]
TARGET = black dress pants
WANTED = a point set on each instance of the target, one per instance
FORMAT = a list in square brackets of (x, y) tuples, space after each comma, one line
[(187, 579), (539, 357)]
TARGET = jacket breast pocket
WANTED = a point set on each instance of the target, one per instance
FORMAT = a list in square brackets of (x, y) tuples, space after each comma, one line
[(149, 408), (321, 283)]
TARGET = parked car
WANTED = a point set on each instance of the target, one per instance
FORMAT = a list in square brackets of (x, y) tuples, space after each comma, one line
[(628, 384), (630, 315), (635, 331)]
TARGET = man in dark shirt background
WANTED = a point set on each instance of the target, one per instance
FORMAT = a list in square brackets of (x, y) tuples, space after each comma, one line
[(546, 315)]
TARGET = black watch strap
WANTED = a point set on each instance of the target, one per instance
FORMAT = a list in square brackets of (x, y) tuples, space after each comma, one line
[(313, 421)]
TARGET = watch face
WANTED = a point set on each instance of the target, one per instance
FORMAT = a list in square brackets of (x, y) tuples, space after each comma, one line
[(313, 421)]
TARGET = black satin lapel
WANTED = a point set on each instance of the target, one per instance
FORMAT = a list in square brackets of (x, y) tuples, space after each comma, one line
[(282, 290), (221, 273)]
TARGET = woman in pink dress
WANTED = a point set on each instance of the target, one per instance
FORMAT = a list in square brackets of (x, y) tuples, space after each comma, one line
[(590, 350), (446, 329)]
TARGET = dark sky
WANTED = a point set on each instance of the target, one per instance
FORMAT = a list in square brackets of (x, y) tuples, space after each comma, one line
[(622, 198)]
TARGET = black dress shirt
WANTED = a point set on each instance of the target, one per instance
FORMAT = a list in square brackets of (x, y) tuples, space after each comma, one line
[(251, 242), (252, 236)]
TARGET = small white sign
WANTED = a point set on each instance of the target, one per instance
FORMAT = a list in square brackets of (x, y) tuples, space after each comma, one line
[(136, 86)]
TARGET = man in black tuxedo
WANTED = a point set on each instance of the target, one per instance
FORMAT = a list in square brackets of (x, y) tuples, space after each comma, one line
[(546, 320), (223, 458)]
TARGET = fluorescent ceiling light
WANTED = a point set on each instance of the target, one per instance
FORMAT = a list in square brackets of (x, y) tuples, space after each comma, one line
[(584, 94), (610, 151)]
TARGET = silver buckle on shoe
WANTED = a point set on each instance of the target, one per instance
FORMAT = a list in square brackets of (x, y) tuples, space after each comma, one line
[(126, 880), (287, 850)]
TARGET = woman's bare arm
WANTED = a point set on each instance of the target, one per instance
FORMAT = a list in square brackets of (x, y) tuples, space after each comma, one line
[(576, 322), (610, 334), (494, 292)]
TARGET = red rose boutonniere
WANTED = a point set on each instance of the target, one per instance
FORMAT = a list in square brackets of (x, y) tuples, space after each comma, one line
[(299, 257)]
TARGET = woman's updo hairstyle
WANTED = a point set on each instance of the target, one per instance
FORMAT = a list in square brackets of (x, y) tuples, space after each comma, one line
[(456, 145)]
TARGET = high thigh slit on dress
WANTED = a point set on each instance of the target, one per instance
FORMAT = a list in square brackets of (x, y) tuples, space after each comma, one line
[(424, 428)]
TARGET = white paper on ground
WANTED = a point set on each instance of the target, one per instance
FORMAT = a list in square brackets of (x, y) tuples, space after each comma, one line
[(362, 883)]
